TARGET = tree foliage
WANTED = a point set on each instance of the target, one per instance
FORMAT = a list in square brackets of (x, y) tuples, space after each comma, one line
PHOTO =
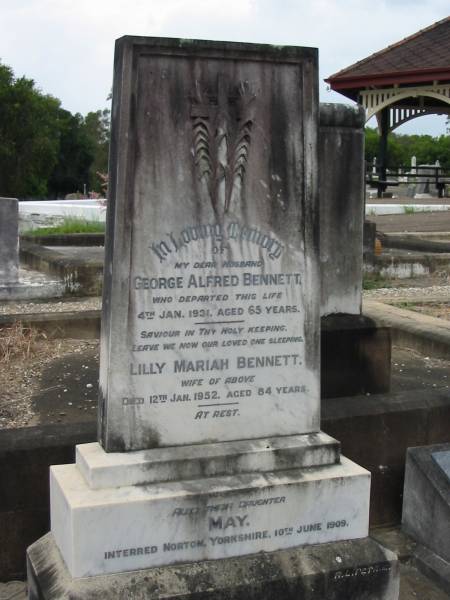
[(45, 151), (28, 136), (401, 148), (97, 126), (71, 172)]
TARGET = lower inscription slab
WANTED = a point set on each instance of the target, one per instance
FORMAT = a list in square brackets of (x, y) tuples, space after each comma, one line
[(134, 527), (349, 570)]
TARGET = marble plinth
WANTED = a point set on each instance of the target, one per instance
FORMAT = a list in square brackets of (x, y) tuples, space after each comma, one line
[(113, 469), (349, 570), (110, 530)]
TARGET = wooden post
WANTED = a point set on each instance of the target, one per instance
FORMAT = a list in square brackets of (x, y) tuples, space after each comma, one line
[(383, 125)]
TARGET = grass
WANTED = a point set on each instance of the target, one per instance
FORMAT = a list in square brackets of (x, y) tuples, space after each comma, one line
[(407, 305), (409, 210), (69, 225), (17, 341), (374, 282)]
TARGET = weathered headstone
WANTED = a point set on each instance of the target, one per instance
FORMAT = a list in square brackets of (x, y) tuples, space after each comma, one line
[(214, 265), (210, 443), (25, 284), (425, 176), (9, 240)]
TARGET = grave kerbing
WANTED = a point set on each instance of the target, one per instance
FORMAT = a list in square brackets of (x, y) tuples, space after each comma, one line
[(209, 425)]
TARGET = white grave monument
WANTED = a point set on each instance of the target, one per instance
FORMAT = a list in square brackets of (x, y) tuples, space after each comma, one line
[(209, 429)]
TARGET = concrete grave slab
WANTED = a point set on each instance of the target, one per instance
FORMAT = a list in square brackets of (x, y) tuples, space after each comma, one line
[(426, 506), (442, 458), (32, 285)]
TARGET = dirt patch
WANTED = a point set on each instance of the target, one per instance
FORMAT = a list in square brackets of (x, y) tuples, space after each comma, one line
[(441, 310), (60, 383), (34, 370), (418, 221), (412, 370), (68, 390)]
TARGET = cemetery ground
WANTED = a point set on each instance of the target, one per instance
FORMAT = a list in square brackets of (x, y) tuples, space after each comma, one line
[(49, 377), (53, 381)]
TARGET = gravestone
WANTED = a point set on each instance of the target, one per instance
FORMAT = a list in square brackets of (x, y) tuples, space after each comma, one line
[(208, 264), (9, 240), (15, 284), (209, 424), (426, 177)]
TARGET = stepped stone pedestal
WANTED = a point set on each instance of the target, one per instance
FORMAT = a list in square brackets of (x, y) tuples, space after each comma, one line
[(164, 506), (171, 522)]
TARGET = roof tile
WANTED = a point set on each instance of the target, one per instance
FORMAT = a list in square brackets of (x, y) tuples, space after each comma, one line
[(427, 49)]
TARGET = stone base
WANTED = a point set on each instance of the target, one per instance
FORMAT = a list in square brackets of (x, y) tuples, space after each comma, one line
[(351, 570), (369, 240), (31, 285), (103, 469), (433, 566), (426, 498), (112, 513), (355, 356)]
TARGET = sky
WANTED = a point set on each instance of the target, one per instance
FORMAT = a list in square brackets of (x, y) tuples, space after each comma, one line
[(67, 46)]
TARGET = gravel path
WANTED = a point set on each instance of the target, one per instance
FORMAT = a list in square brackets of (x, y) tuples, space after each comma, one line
[(13, 308), (434, 292), (438, 292)]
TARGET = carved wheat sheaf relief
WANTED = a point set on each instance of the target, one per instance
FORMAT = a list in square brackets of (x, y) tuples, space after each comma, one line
[(202, 136), (222, 125)]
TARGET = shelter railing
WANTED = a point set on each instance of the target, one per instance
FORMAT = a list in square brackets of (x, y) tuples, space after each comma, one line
[(425, 178)]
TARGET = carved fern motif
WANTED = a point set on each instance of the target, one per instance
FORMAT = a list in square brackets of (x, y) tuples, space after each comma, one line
[(241, 147), (202, 149), (222, 137), (202, 137)]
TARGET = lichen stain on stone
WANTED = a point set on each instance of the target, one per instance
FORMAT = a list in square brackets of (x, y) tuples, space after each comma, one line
[(150, 438), (115, 443)]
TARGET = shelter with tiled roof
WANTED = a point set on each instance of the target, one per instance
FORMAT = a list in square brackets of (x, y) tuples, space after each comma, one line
[(401, 82)]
